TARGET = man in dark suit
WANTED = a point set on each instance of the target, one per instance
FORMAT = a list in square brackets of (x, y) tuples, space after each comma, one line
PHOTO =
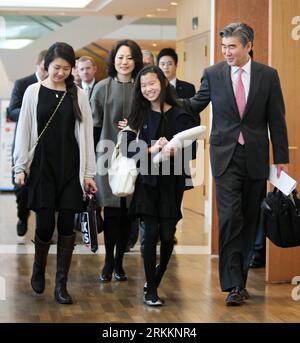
[(87, 68), (246, 101), (13, 112), (167, 60)]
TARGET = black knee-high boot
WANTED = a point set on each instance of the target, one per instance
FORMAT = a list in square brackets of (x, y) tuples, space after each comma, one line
[(39, 265), (65, 247)]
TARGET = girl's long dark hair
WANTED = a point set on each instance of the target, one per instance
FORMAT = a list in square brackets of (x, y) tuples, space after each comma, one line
[(66, 52), (141, 106)]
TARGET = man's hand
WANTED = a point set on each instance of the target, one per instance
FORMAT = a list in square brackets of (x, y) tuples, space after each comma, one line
[(281, 167)]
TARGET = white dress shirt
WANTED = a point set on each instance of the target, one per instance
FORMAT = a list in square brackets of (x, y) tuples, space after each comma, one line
[(87, 87), (173, 82), (245, 77)]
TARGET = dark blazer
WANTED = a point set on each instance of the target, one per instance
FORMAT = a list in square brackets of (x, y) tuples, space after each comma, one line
[(18, 91), (184, 89), (14, 108), (265, 109)]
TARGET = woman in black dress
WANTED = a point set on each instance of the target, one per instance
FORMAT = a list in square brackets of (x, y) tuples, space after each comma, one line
[(63, 165), (158, 195)]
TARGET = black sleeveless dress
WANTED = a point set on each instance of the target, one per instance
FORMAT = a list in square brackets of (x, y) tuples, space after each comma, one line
[(54, 174)]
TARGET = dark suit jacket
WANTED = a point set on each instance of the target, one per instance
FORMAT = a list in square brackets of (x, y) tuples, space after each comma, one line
[(14, 108), (265, 109), (18, 91), (184, 89)]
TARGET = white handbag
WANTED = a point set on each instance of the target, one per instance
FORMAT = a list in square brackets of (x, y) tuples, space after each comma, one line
[(123, 171)]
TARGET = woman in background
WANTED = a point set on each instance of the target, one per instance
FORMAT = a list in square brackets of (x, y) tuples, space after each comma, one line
[(111, 103)]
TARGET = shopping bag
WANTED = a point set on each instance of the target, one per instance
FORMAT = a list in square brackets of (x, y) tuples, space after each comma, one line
[(90, 222)]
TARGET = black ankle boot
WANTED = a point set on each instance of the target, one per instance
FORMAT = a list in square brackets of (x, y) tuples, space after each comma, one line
[(39, 265), (65, 247)]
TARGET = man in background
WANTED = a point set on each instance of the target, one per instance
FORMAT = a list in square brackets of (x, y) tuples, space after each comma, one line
[(148, 58), (167, 60), (87, 68), (13, 112)]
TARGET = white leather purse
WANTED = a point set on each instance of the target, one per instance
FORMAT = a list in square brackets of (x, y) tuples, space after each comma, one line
[(123, 172)]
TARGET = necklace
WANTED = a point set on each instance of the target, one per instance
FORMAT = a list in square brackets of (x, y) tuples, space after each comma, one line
[(57, 93)]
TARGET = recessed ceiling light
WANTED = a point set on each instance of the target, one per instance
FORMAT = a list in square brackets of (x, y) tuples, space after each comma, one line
[(154, 45), (162, 10), (45, 3), (150, 15), (173, 3)]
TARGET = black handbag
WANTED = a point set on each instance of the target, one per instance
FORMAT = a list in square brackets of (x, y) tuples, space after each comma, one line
[(90, 222), (281, 218)]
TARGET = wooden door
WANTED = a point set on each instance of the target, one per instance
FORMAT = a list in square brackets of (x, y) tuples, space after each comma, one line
[(284, 55), (195, 54)]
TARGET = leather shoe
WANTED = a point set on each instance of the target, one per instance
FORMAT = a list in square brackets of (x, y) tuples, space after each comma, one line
[(21, 227), (256, 263), (104, 277), (153, 302), (235, 297), (120, 277), (244, 293)]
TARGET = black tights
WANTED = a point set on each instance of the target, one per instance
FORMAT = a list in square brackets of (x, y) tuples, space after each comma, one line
[(165, 229), (117, 226), (45, 223)]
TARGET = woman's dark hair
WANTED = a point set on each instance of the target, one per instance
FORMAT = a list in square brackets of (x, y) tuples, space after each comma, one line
[(141, 105), (66, 52), (135, 52)]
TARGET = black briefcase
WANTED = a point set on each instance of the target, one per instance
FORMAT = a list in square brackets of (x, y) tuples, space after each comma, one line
[(281, 218)]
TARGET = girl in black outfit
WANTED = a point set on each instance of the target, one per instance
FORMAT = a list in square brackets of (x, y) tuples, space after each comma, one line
[(63, 165), (157, 198)]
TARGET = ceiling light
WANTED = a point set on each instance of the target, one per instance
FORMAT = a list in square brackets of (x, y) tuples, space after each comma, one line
[(154, 45), (14, 43), (173, 3), (162, 10), (45, 3), (150, 15)]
